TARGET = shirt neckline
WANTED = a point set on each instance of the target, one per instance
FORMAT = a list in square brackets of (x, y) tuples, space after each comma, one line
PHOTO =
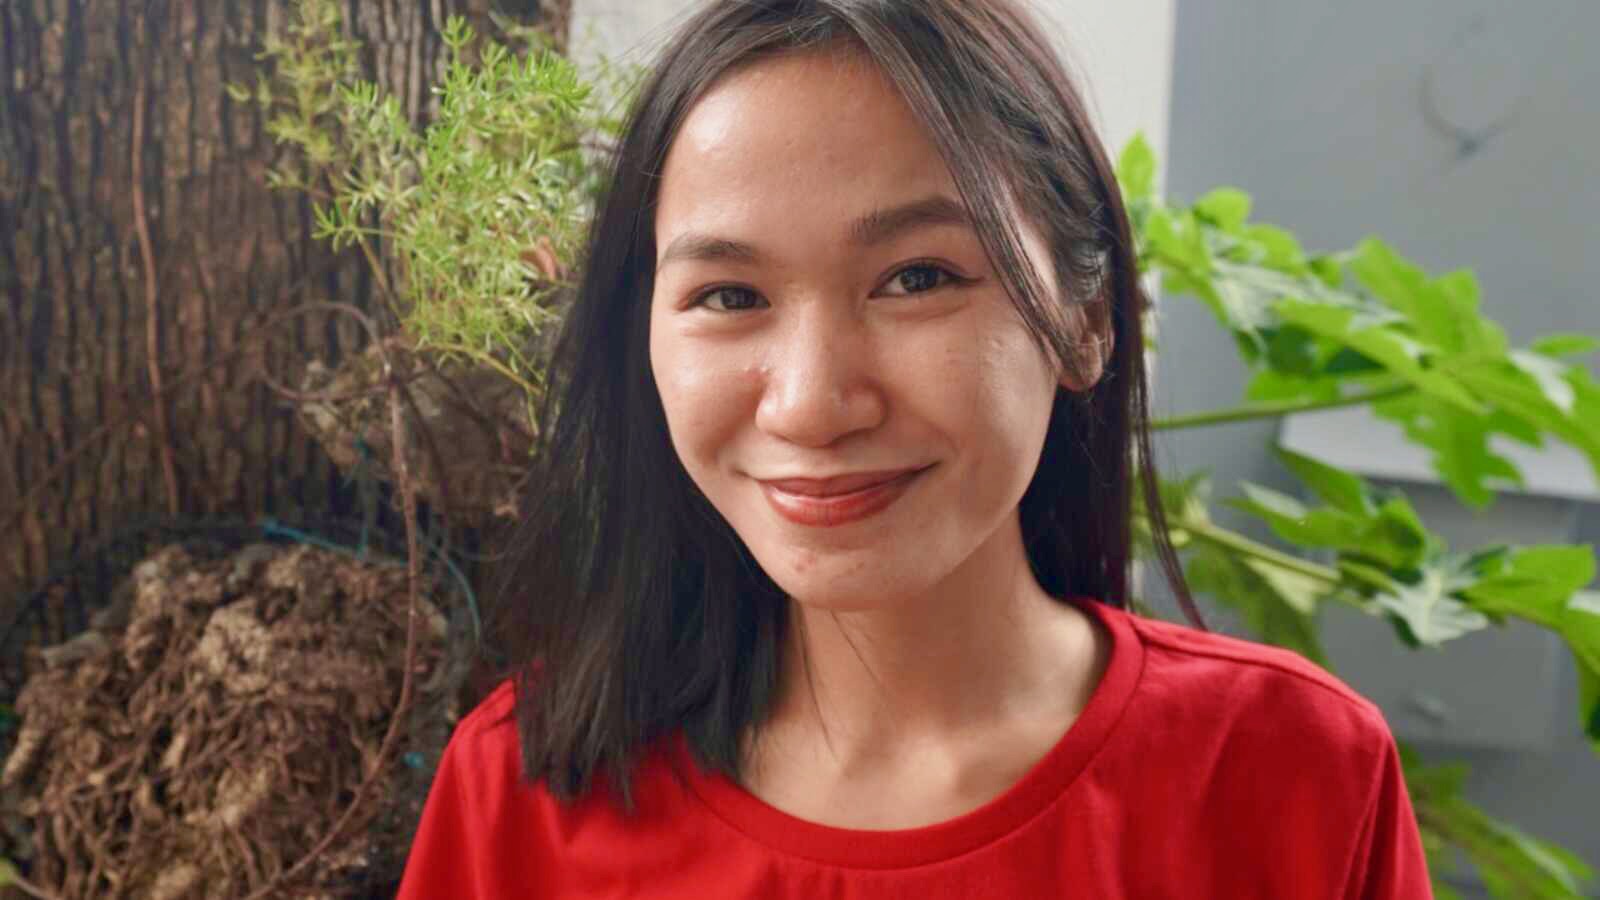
[(1038, 788)]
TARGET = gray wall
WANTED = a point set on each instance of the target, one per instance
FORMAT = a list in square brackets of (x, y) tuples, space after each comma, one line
[(1467, 133)]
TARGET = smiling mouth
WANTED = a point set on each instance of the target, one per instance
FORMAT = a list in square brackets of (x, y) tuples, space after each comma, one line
[(827, 502)]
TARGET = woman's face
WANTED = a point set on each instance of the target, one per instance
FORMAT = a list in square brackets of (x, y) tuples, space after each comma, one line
[(842, 372)]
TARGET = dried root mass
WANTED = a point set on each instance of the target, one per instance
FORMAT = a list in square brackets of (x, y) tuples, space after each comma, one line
[(215, 722)]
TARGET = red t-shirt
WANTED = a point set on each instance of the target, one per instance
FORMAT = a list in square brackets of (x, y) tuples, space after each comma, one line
[(1202, 766)]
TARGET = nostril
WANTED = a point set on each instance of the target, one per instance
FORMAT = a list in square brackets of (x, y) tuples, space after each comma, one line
[(817, 412)]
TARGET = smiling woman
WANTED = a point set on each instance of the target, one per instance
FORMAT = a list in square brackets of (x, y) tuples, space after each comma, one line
[(822, 592)]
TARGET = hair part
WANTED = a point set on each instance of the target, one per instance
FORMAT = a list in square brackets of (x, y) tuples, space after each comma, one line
[(628, 598)]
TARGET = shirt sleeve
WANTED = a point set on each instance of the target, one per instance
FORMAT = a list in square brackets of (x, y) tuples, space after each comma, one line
[(1389, 863), (443, 861)]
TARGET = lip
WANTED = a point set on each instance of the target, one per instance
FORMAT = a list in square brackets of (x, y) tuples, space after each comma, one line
[(838, 500)]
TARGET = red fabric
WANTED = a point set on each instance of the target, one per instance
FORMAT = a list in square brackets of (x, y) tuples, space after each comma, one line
[(1202, 767)]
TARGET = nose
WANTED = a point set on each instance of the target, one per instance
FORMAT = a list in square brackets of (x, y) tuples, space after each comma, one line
[(821, 380)]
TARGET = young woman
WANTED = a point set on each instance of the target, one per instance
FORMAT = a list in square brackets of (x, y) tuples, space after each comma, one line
[(824, 581)]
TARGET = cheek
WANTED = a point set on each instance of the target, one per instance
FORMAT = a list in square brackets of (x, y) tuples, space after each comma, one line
[(704, 393), (994, 387), (994, 399)]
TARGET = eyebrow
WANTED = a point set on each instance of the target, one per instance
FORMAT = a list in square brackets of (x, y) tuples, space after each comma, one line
[(874, 228)]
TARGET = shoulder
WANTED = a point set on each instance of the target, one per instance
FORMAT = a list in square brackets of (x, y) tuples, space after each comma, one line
[(1284, 763), (491, 720), (484, 752), (1250, 689)]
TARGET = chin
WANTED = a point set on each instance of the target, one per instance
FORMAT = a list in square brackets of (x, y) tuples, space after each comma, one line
[(843, 581)]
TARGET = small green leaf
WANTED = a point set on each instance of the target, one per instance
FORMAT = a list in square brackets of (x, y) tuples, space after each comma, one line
[(1541, 585), (1589, 705), (1536, 583), (1272, 616), (1375, 336), (1336, 487), (1300, 592), (1565, 344), (1389, 534), (1459, 442), (1581, 602), (1136, 169), (1270, 385), (1279, 249), (1227, 208), (1424, 609), (1514, 392), (1329, 269), (1443, 312), (1294, 351), (1516, 866), (1551, 376)]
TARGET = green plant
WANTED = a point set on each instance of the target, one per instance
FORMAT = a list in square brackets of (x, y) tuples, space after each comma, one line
[(469, 222), (481, 212), (1367, 327)]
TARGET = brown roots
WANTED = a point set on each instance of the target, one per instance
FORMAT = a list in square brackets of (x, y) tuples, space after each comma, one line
[(207, 744)]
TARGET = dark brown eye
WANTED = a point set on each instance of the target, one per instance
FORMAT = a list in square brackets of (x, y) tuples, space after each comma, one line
[(730, 299), (919, 279)]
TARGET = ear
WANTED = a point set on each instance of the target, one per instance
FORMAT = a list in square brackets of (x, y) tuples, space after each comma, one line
[(1096, 339)]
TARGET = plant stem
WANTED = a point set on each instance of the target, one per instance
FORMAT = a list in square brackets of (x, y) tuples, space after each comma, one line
[(381, 278), (1233, 541), (1273, 410), (488, 359)]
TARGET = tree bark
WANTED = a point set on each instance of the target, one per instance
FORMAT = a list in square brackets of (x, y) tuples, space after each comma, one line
[(141, 249)]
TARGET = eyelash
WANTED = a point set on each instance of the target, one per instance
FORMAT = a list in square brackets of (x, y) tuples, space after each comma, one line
[(947, 278)]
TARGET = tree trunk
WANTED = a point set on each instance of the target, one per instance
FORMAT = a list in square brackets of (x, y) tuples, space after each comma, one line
[(142, 258)]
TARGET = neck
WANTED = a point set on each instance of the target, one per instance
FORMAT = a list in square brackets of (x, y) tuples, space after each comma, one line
[(985, 647)]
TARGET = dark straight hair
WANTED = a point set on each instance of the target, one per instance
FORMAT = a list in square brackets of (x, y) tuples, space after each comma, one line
[(630, 609)]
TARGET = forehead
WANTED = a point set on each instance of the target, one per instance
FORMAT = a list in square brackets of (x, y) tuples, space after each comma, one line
[(802, 133)]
